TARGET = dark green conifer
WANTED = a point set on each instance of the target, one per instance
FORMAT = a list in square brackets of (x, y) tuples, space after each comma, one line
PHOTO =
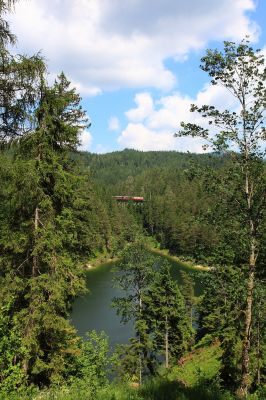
[(37, 262), (133, 276), (167, 317)]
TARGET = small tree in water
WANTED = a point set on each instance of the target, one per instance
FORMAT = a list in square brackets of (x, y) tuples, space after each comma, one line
[(133, 275), (153, 301), (166, 312)]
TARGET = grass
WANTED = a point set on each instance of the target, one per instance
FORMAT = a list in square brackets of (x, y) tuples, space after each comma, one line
[(195, 379), (203, 363), (186, 264)]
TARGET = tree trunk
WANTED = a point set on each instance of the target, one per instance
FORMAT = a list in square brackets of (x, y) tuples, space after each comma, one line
[(258, 352), (166, 343), (140, 355), (36, 225), (245, 379), (140, 368), (25, 366)]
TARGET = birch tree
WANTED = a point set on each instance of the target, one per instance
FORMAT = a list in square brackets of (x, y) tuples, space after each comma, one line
[(242, 132)]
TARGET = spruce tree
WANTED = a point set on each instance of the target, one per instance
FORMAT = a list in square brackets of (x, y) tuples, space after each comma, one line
[(167, 318), (37, 265), (220, 315), (133, 276)]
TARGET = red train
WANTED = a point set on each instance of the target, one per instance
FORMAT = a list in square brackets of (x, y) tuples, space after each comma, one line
[(136, 199)]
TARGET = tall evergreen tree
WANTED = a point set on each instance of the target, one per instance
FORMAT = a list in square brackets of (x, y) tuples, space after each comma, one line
[(37, 265), (220, 315), (133, 276), (166, 313)]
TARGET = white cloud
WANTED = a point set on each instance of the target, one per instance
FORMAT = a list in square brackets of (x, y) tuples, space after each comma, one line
[(138, 136), (85, 140), (114, 124), (106, 45), (151, 125), (144, 107)]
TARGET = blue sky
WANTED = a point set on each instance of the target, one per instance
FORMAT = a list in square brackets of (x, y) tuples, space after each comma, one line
[(136, 62)]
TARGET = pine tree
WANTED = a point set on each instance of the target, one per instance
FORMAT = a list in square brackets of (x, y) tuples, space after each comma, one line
[(133, 275), (167, 317), (221, 316), (37, 267)]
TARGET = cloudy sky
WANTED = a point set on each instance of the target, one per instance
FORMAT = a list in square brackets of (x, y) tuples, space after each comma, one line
[(135, 62)]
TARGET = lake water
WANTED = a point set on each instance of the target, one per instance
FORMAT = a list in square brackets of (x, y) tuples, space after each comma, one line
[(94, 311)]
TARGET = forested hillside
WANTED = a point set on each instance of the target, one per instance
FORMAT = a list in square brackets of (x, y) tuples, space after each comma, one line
[(111, 168), (58, 213), (183, 207)]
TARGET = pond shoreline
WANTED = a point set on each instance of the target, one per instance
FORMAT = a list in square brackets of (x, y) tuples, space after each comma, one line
[(101, 260), (187, 264), (93, 310)]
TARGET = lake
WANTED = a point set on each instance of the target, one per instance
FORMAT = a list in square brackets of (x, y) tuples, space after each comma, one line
[(94, 311)]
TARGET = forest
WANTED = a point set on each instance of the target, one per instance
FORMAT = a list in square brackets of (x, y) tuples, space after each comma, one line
[(58, 212)]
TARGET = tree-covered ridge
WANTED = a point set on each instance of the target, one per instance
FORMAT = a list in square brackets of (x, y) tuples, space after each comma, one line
[(176, 203), (184, 209), (115, 167)]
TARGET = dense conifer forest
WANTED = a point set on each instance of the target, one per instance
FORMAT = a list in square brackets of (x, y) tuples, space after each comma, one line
[(58, 212)]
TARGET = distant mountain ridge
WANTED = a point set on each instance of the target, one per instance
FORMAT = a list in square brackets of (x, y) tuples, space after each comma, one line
[(111, 168)]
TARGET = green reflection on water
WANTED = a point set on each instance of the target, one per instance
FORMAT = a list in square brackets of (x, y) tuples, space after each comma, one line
[(94, 311)]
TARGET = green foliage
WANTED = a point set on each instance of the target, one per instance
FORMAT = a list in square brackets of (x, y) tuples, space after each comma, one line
[(204, 362), (221, 314), (241, 70), (172, 185), (259, 335), (133, 275), (55, 214), (6, 36), (11, 351), (94, 358), (166, 315), (187, 289), (93, 364), (39, 272), (20, 79), (153, 301), (123, 166)]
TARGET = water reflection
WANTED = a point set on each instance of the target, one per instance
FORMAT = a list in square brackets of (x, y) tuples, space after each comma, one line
[(94, 311)]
